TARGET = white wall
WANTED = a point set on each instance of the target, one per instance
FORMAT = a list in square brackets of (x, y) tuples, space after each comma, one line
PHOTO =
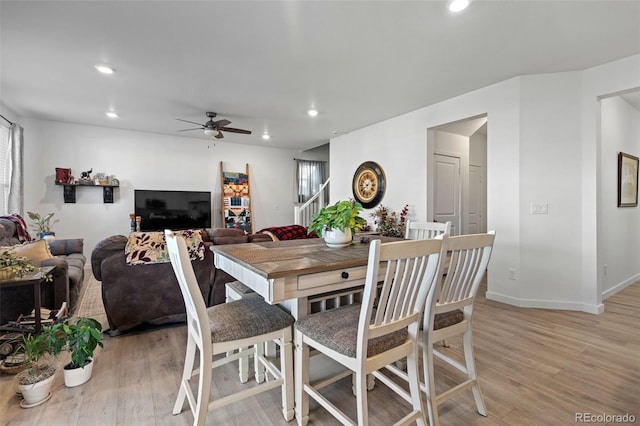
[(146, 161), (620, 242), (540, 149)]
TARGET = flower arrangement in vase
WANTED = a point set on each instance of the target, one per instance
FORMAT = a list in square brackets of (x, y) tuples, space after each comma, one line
[(388, 222)]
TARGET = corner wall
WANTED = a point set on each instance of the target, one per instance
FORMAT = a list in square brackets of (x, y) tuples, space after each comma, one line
[(542, 148)]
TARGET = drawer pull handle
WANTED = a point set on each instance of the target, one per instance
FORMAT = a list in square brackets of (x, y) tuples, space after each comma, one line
[(345, 275)]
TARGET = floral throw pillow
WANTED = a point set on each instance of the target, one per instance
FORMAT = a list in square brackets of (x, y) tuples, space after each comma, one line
[(151, 247)]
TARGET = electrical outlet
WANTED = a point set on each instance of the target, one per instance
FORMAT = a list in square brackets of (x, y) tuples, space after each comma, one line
[(606, 268), (539, 208), (511, 274)]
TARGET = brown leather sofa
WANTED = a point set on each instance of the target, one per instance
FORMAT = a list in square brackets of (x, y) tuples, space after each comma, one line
[(149, 294)]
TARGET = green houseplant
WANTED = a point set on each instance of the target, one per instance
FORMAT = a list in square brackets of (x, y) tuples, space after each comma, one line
[(340, 218), (35, 381), (83, 336), (42, 224), (14, 266)]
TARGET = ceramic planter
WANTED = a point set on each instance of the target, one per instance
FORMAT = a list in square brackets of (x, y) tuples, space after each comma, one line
[(336, 238), (37, 393), (77, 376)]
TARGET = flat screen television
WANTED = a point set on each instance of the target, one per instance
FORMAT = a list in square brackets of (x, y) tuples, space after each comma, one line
[(160, 210)]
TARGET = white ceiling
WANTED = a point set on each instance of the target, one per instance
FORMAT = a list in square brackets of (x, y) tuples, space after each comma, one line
[(262, 64)]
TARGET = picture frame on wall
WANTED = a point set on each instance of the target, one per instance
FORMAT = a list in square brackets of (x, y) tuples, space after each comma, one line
[(627, 180)]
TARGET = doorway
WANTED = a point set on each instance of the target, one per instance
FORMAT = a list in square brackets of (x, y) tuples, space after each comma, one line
[(458, 192)]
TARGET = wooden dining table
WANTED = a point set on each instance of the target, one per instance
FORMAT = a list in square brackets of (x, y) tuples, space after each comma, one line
[(291, 273)]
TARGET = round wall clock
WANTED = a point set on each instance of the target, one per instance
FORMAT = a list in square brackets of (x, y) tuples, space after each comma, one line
[(369, 184)]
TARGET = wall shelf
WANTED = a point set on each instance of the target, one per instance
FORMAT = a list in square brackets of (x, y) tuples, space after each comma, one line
[(69, 191)]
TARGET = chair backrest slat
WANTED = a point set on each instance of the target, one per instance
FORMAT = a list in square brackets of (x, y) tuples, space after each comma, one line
[(468, 259), (411, 270), (194, 305), (426, 230)]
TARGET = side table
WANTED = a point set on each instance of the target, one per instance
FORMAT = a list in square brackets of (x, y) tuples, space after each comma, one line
[(34, 279)]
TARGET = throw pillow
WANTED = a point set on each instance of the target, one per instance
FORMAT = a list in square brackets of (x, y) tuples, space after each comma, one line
[(151, 247), (36, 251)]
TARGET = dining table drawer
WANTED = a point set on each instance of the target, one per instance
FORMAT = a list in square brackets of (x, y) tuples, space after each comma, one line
[(320, 279)]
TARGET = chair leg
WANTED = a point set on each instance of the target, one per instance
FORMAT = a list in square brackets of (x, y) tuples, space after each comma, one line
[(467, 343), (243, 368), (189, 359), (286, 370), (301, 380), (361, 398), (429, 382), (204, 386), (414, 386), (257, 364)]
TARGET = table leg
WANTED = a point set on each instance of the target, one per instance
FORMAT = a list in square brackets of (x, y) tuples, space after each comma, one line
[(36, 304)]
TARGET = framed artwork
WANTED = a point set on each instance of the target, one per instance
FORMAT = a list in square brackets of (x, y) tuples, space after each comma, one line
[(627, 180)]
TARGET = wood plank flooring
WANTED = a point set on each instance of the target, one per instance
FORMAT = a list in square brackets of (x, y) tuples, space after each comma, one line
[(536, 367)]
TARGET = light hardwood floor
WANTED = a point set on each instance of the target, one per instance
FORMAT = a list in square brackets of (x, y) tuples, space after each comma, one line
[(536, 367)]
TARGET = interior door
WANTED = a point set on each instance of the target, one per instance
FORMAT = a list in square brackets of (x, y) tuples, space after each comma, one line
[(476, 197), (446, 202)]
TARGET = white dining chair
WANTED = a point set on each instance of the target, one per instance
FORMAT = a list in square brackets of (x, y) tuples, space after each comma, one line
[(449, 312), (425, 230), (224, 328), (382, 329)]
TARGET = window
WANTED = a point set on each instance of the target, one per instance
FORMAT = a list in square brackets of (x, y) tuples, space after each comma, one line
[(309, 176), (5, 169)]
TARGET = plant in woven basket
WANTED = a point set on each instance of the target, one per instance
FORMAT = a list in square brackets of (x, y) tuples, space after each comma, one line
[(12, 266), (388, 222)]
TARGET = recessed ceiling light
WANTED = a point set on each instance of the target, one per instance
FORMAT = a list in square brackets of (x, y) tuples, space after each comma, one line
[(105, 69), (266, 136), (312, 112), (111, 114), (458, 5)]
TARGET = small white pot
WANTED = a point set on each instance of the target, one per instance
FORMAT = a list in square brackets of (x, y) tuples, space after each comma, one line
[(36, 393), (77, 376), (337, 238)]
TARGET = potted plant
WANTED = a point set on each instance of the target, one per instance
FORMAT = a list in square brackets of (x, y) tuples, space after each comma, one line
[(337, 223), (34, 383), (82, 335), (42, 224), (12, 266)]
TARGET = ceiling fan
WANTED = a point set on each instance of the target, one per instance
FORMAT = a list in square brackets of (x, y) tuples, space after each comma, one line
[(214, 128)]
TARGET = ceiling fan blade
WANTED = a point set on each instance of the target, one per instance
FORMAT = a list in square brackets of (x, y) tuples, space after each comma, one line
[(187, 121), (219, 135), (232, 130), (222, 123), (186, 130)]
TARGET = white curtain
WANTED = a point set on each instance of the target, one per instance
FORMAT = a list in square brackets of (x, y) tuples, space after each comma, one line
[(309, 176), (11, 165)]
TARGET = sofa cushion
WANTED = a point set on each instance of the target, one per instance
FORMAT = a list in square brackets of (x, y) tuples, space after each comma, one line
[(150, 247), (36, 251), (61, 247)]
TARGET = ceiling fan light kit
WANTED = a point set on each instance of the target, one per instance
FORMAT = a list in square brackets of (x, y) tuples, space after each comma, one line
[(215, 128)]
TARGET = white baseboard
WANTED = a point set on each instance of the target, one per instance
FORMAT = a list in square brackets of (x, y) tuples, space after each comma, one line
[(619, 287), (545, 304)]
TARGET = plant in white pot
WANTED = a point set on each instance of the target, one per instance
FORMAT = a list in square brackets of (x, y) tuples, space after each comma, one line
[(83, 336), (34, 383), (338, 223)]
